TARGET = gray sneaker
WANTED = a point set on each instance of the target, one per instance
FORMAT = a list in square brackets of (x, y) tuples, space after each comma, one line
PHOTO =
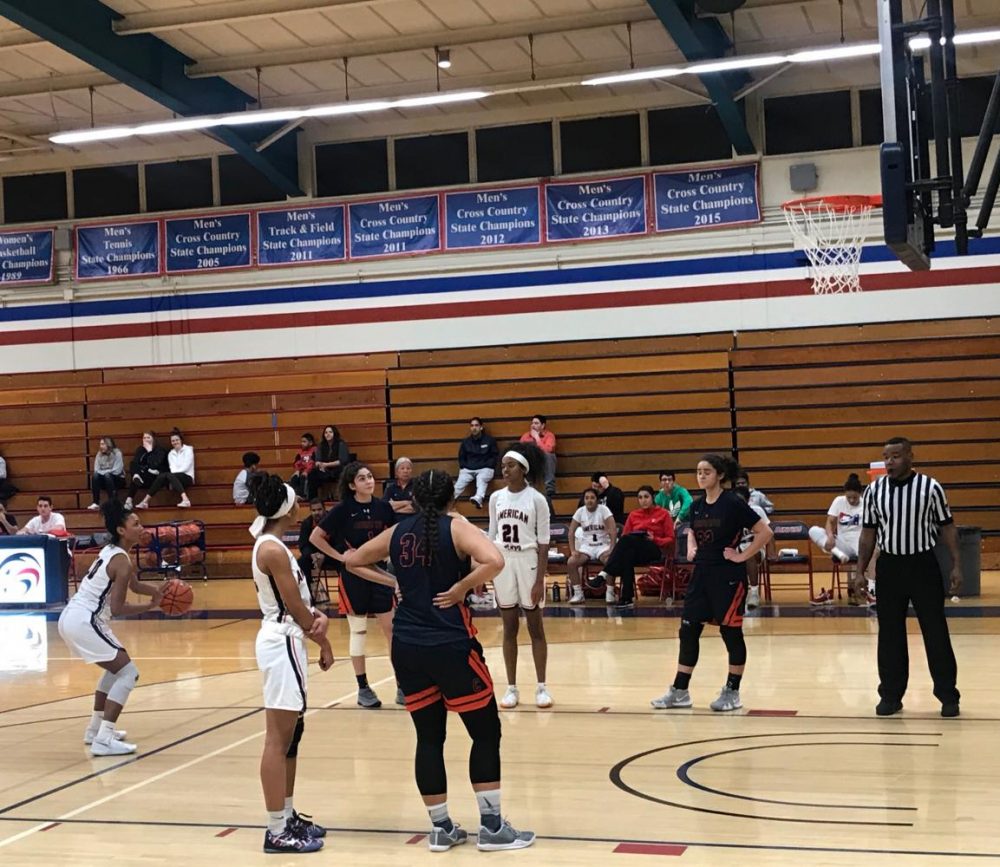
[(367, 698), (440, 840), (506, 838), (729, 699), (673, 698)]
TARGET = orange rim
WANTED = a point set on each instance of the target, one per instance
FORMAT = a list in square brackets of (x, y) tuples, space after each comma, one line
[(842, 204)]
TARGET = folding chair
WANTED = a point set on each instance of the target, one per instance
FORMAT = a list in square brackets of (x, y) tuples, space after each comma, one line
[(850, 568), (800, 564)]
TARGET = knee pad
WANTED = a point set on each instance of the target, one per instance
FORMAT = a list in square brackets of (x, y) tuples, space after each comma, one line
[(293, 747), (106, 682), (124, 683), (735, 644), (359, 634), (689, 635)]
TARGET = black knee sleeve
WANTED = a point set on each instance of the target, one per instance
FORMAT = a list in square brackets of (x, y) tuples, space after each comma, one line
[(431, 725), (293, 747), (483, 726), (690, 634), (737, 647)]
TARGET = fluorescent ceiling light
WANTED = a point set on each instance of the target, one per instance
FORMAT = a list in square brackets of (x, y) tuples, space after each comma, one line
[(977, 37), (840, 52), (251, 117), (638, 75), (732, 63)]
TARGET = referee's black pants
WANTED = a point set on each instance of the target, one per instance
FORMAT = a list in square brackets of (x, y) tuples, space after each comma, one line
[(900, 579)]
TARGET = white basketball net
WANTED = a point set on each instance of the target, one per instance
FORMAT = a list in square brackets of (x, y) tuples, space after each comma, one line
[(832, 236)]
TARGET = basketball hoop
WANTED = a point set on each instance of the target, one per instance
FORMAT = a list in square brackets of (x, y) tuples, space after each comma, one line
[(831, 230)]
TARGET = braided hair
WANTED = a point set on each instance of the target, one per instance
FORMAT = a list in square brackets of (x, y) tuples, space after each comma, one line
[(432, 491), (535, 457), (115, 515), (270, 495)]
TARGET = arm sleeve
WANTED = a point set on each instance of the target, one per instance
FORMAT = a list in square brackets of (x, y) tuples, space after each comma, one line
[(550, 441), (868, 517), (686, 501), (96, 471), (526, 438), (493, 517), (939, 502), (542, 521), (767, 505), (833, 511), (664, 534)]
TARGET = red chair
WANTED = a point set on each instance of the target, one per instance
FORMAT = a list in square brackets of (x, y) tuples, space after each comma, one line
[(800, 564)]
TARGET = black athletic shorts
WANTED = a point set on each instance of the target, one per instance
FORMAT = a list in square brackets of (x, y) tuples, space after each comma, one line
[(715, 598), (361, 597), (453, 673)]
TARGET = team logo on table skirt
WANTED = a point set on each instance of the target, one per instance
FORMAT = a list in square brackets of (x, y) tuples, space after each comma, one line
[(20, 577)]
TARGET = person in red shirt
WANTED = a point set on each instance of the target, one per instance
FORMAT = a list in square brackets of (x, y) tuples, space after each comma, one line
[(542, 437), (305, 462), (648, 533)]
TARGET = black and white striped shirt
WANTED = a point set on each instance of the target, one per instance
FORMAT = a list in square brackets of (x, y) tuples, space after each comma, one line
[(907, 515)]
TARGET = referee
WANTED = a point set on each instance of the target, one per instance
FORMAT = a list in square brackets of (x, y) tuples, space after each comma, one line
[(903, 512)]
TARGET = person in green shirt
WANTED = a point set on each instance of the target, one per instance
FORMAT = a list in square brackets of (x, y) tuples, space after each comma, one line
[(673, 497)]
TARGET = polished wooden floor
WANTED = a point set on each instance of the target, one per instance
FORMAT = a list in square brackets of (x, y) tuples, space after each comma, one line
[(805, 774)]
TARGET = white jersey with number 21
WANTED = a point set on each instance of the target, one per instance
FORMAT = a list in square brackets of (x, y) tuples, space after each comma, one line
[(519, 522)]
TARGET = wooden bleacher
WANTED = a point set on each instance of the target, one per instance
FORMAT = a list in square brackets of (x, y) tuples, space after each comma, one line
[(803, 407)]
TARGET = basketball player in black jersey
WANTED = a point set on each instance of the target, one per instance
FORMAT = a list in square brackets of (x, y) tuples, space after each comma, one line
[(438, 662), (718, 588)]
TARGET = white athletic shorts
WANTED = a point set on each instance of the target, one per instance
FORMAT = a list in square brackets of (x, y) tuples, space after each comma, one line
[(282, 659), (594, 552), (512, 586), (88, 636)]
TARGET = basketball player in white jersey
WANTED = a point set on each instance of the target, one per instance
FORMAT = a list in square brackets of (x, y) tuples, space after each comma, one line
[(519, 527), (287, 619), (85, 626), (592, 534)]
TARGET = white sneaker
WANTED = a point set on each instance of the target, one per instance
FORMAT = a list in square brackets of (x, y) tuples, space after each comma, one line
[(93, 507), (510, 698), (128, 504), (142, 505), (577, 598), (184, 504), (609, 595), (753, 598), (729, 699), (111, 748), (542, 697), (88, 736), (672, 698)]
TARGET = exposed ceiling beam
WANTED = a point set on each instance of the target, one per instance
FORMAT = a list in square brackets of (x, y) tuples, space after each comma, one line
[(701, 39), (18, 39), (54, 84), (153, 68), (418, 42), (160, 20)]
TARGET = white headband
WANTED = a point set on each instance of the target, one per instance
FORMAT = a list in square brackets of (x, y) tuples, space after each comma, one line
[(257, 527), (521, 459)]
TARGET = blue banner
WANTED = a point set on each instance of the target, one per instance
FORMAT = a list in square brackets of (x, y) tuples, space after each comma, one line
[(301, 235), (118, 250), (699, 198), (394, 227), (209, 243), (586, 210), (26, 257), (487, 219)]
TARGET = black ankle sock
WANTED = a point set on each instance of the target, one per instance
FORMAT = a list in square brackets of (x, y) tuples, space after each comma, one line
[(362, 680), (682, 679), (733, 681), (490, 821)]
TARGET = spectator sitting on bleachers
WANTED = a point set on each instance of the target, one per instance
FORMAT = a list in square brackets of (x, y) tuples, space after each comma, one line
[(8, 523), (304, 462), (46, 522), (477, 461), (149, 462), (180, 459), (757, 498), (329, 459), (607, 495), (842, 534), (109, 472), (247, 479), (7, 490), (592, 535), (648, 533), (311, 560), (399, 492), (541, 436), (672, 497), (753, 564)]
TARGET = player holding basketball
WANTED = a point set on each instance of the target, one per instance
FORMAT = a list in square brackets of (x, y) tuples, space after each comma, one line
[(287, 619), (519, 527), (438, 661), (85, 626), (718, 587), (358, 517)]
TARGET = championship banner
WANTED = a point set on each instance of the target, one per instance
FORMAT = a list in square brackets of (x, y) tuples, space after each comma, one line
[(589, 210), (395, 227), (113, 251), (26, 257), (296, 235), (493, 219), (707, 197), (209, 243)]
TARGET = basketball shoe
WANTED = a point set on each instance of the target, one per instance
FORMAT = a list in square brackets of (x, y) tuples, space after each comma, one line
[(367, 698), (729, 699), (287, 843), (673, 698), (507, 837), (111, 748), (90, 734), (510, 698), (824, 597), (440, 840), (753, 598), (302, 825)]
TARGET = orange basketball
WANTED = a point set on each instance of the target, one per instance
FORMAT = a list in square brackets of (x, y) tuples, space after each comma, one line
[(178, 599)]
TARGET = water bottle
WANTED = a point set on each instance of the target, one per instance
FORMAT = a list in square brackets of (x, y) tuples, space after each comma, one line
[(556, 592)]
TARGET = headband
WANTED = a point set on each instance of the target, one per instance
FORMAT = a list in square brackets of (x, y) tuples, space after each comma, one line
[(257, 527), (521, 459)]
